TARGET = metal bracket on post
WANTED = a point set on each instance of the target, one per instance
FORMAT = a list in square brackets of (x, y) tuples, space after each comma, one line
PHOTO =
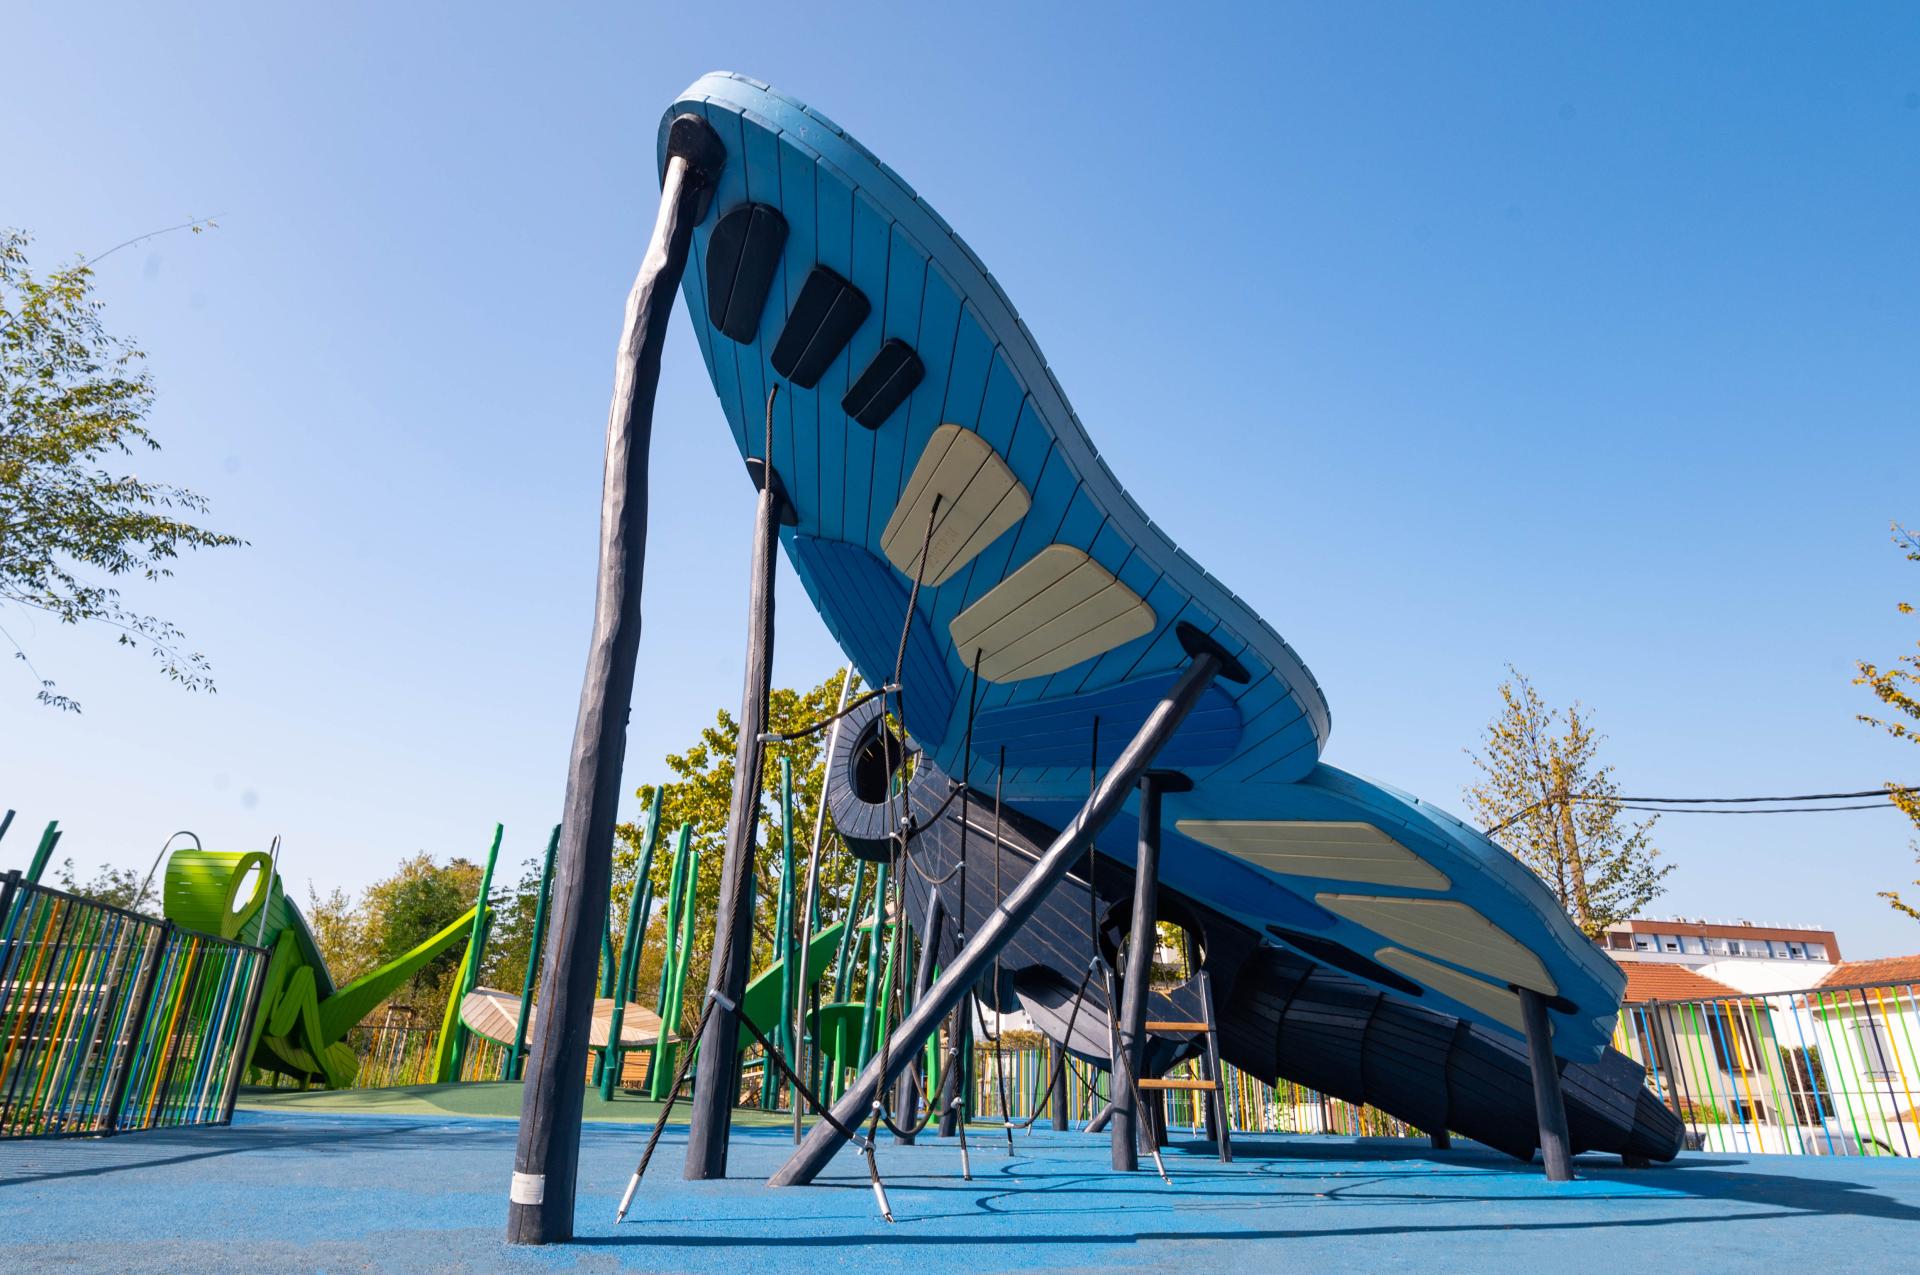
[(971, 964), (1549, 1106), (547, 1155)]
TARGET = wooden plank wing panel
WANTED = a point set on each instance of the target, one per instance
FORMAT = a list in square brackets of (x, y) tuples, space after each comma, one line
[(1495, 1002), (979, 499), (1059, 608), (1448, 929), (1336, 850)]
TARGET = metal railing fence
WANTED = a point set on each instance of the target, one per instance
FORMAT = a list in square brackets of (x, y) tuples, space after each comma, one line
[(112, 1021), (1252, 1106), (1824, 1071), (397, 1052)]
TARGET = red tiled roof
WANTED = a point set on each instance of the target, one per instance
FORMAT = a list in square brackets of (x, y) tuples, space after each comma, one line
[(1664, 981), (1887, 969)]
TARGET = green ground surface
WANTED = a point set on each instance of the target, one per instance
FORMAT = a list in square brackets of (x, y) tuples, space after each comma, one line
[(495, 1099)]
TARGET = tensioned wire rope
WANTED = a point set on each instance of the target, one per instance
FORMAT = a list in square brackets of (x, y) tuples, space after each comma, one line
[(1703, 805)]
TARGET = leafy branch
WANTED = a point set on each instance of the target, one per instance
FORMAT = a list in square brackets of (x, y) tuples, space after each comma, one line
[(73, 402)]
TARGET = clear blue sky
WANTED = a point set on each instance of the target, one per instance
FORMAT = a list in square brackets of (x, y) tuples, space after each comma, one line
[(1583, 338)]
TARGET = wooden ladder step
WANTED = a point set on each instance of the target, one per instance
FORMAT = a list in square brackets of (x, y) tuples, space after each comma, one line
[(1176, 1082), (1175, 1025)]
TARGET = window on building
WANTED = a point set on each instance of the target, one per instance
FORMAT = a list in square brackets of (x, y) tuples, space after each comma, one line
[(1874, 1047), (1796, 951), (1693, 943), (1719, 947), (1732, 1038), (1643, 943), (1670, 942), (1817, 951), (1652, 1036)]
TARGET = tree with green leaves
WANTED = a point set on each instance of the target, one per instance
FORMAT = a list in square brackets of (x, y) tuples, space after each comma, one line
[(700, 794), (338, 923), (73, 405), (1897, 687), (1547, 800), (410, 907), (118, 887)]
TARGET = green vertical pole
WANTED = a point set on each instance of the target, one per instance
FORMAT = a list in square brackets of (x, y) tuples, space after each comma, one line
[(930, 1072), (671, 926), (517, 1056), (689, 918), (843, 961), (604, 985), (669, 955), (607, 968), (630, 949), (883, 1021), (679, 947), (453, 1032), (783, 926), (873, 959), (43, 852), (6, 822)]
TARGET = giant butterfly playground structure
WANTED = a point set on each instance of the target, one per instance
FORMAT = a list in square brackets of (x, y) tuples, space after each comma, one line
[(1073, 732)]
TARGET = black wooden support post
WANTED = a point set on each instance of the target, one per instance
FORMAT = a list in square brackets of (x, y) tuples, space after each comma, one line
[(1440, 1141), (957, 1078), (1141, 941), (1057, 1084), (972, 962), (716, 1080), (546, 1159), (1549, 1107), (906, 1097)]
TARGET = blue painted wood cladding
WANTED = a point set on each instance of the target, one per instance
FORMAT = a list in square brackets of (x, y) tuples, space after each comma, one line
[(884, 330)]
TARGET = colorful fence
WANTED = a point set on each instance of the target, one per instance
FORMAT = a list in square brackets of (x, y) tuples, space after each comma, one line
[(1828, 1071), (397, 1051), (111, 1021), (1252, 1107), (1825, 1071)]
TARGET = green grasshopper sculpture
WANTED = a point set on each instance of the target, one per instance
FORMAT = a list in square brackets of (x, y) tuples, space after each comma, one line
[(300, 1030)]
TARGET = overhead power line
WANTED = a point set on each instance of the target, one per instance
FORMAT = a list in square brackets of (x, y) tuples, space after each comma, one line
[(1734, 801), (1775, 810), (1701, 805)]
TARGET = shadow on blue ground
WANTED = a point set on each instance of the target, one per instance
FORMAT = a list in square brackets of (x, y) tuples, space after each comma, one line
[(406, 1193)]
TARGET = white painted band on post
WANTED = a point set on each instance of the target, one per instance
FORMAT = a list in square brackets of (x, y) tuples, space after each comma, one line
[(528, 1188)]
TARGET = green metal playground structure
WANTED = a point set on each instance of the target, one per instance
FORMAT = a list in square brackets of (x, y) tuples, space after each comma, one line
[(111, 1020)]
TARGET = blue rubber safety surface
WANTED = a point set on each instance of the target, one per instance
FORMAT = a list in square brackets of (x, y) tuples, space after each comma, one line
[(278, 1193)]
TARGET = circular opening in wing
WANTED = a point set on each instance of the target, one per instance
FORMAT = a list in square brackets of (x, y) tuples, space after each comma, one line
[(869, 773), (1180, 947)]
